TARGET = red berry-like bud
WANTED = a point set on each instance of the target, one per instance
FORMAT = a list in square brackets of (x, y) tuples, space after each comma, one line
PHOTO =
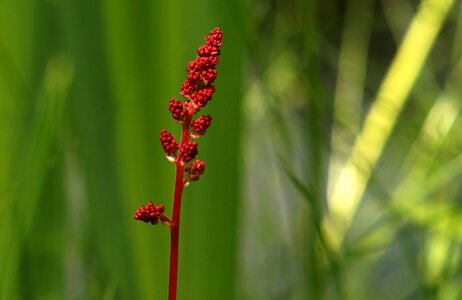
[(215, 37), (193, 66), (208, 50), (194, 77), (200, 125), (177, 109), (208, 76), (186, 89), (168, 143), (195, 170), (202, 72), (206, 62), (188, 151), (149, 213), (203, 96)]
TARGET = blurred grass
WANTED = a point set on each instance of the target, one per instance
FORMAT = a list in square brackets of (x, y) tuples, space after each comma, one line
[(302, 87), (393, 230), (78, 160)]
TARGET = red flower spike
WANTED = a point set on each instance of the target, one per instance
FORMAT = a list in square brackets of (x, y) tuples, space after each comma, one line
[(195, 170), (200, 125), (202, 72), (206, 62), (188, 151), (168, 143), (150, 213), (198, 90)]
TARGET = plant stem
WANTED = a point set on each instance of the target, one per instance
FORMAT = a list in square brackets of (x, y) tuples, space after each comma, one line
[(175, 228), (174, 233)]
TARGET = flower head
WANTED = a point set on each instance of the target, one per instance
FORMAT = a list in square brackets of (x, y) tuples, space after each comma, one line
[(177, 109), (168, 142), (188, 151), (197, 90), (195, 170), (200, 125), (149, 213), (202, 71)]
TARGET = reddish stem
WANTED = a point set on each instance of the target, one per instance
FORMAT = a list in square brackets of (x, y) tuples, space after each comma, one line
[(175, 228)]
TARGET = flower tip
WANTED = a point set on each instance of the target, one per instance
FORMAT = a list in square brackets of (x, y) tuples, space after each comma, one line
[(217, 31)]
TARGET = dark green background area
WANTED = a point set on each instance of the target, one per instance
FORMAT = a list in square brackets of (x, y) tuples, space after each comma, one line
[(84, 91)]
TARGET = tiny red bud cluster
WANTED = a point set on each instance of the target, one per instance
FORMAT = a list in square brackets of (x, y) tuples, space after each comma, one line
[(202, 71), (200, 125), (203, 96), (177, 109), (195, 170), (149, 213), (186, 89), (168, 143), (188, 151)]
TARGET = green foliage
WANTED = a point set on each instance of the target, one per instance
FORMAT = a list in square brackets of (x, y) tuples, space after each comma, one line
[(356, 101), (84, 88), (307, 91)]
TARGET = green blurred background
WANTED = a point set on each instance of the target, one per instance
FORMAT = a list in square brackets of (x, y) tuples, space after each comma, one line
[(333, 164)]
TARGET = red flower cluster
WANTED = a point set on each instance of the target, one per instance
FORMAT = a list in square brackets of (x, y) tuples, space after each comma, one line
[(197, 91), (195, 170), (176, 108), (200, 125), (168, 143), (150, 213), (188, 151), (202, 71)]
